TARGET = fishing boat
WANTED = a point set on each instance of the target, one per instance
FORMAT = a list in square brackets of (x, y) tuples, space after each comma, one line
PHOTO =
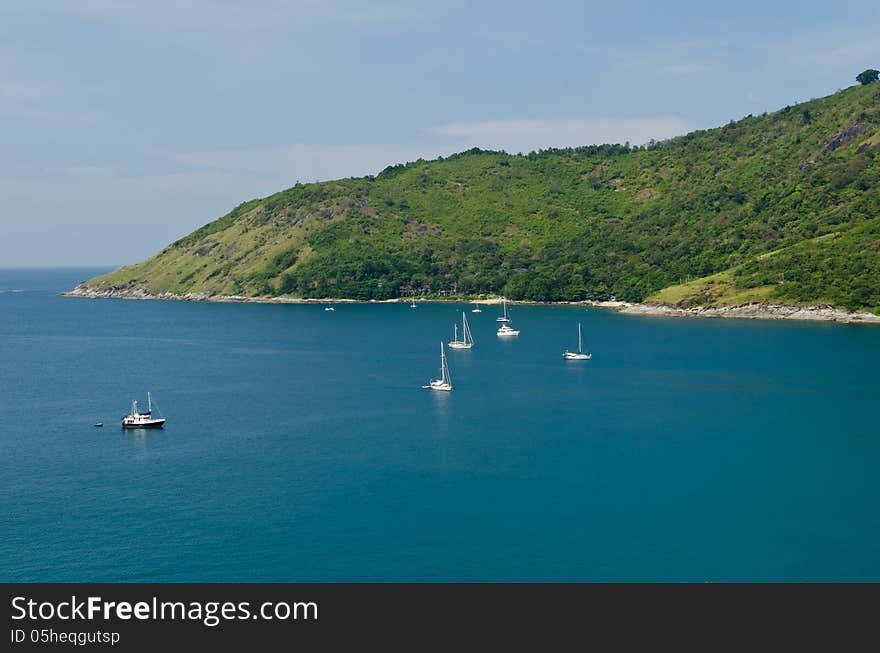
[(444, 383), (505, 331), (138, 420), (476, 309), (579, 355), (467, 340), (503, 318)]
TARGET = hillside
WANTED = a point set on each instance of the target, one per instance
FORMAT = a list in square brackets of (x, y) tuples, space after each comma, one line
[(782, 207)]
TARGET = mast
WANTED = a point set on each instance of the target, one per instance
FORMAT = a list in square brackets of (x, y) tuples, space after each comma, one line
[(468, 338), (149, 403), (455, 333), (580, 348), (444, 368)]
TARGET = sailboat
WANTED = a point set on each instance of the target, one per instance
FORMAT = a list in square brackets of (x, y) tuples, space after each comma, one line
[(467, 340), (413, 304), (444, 383), (579, 355), (138, 420), (503, 318), (476, 309)]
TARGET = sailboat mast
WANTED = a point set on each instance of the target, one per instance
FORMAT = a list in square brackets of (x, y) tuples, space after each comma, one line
[(580, 347), (149, 403)]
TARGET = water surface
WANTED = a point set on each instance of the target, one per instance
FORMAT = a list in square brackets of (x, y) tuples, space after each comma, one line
[(300, 446)]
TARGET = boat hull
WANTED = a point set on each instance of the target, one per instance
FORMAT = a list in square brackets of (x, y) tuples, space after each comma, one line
[(569, 356), (460, 345), (152, 424)]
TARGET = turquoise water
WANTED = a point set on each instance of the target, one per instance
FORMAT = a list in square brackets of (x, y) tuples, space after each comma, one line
[(300, 446)]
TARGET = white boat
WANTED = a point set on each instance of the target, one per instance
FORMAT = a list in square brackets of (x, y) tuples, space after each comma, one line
[(504, 331), (413, 305), (444, 383), (579, 355), (467, 340), (138, 420), (476, 309), (329, 308), (504, 317)]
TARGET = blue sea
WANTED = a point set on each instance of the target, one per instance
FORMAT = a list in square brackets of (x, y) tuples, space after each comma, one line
[(300, 445)]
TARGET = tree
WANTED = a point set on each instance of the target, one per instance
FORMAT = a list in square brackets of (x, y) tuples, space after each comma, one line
[(868, 76)]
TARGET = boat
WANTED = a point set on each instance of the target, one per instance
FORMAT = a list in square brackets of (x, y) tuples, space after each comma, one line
[(138, 420), (329, 308), (505, 330), (467, 340), (99, 423), (444, 383), (579, 355), (476, 309), (504, 317), (413, 304)]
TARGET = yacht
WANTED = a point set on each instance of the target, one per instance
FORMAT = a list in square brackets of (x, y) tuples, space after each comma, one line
[(476, 309), (444, 383), (579, 355), (504, 317), (505, 330), (467, 340), (138, 420)]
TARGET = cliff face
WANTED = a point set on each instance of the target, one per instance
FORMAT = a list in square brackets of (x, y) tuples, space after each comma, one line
[(780, 208)]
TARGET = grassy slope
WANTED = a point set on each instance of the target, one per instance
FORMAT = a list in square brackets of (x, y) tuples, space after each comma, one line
[(569, 224)]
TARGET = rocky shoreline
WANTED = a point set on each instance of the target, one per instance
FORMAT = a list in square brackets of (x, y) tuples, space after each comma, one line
[(826, 313)]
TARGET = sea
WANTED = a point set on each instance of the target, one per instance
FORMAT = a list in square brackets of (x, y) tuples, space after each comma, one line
[(301, 446)]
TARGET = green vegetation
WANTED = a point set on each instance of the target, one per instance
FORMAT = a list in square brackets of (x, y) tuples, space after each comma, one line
[(868, 76), (783, 207)]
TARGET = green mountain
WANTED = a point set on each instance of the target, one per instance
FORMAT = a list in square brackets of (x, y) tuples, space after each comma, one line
[(782, 207)]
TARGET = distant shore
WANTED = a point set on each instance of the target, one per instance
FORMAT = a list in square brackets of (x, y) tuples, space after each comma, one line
[(821, 313)]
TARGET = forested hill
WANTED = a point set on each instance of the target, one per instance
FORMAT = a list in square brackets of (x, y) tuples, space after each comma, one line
[(781, 207)]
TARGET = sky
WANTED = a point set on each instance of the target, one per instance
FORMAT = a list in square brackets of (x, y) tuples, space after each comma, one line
[(126, 124)]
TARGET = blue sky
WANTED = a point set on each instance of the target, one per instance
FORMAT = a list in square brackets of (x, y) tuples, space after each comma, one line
[(126, 124)]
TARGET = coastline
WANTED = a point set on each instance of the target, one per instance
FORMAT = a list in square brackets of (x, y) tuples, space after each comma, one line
[(818, 313)]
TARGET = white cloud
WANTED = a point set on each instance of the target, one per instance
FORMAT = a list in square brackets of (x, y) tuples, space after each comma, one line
[(117, 217), (853, 50), (685, 69), (24, 90), (233, 15), (528, 135), (306, 162)]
